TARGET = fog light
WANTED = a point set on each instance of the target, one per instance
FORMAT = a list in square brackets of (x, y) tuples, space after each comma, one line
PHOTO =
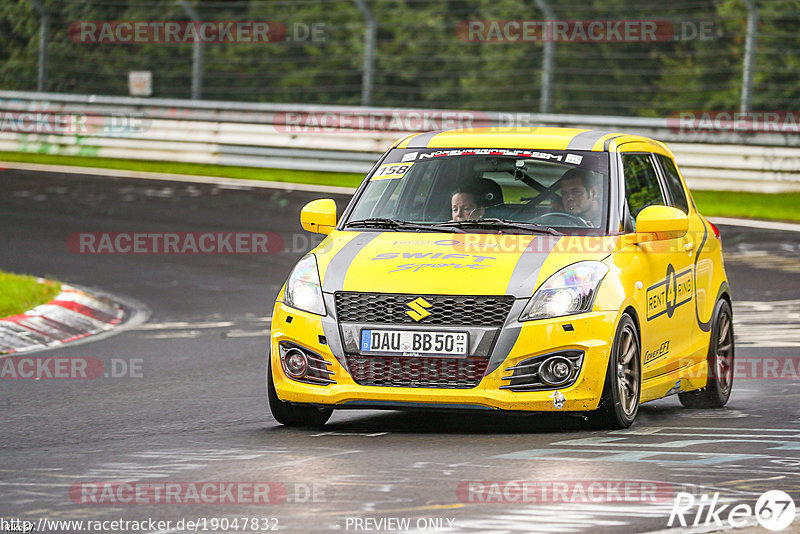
[(556, 370), (296, 363)]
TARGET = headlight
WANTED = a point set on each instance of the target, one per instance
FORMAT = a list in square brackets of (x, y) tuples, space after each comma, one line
[(569, 291), (303, 290)]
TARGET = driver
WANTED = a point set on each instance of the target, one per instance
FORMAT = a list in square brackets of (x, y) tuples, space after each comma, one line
[(466, 204), (580, 192)]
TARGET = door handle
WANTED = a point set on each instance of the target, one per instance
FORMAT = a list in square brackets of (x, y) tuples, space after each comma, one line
[(688, 247)]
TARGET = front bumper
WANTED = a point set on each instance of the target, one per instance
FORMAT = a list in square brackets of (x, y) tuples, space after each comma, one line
[(592, 333)]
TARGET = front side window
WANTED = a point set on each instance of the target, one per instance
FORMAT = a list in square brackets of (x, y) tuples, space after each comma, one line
[(561, 189), (641, 183), (676, 192)]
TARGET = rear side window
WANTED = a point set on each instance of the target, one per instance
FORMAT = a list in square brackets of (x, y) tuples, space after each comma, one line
[(641, 183), (676, 192)]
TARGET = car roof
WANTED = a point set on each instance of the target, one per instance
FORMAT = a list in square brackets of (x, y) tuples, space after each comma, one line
[(542, 138)]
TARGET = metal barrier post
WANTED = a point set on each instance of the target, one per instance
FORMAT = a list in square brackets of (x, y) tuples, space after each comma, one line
[(549, 52), (197, 53), (44, 39), (369, 52), (749, 55)]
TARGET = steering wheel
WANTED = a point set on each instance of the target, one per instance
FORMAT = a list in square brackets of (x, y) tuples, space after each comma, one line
[(562, 216)]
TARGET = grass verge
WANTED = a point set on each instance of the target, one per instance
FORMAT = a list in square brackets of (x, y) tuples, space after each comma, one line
[(781, 206), (777, 206), (19, 293), (340, 179)]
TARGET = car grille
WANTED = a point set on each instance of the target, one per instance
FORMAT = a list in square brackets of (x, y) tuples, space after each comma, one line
[(445, 310), (456, 373)]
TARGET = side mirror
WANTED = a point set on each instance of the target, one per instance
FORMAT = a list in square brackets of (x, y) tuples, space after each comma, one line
[(319, 216), (660, 223)]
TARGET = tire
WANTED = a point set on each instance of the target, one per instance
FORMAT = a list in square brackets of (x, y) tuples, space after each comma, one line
[(619, 403), (290, 414), (720, 363)]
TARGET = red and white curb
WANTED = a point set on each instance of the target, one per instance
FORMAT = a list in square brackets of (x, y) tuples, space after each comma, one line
[(74, 314)]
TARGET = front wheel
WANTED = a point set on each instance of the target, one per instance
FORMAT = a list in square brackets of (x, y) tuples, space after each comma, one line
[(620, 401), (720, 363), (290, 414)]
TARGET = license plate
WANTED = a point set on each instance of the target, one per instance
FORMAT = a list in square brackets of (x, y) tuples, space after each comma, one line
[(414, 341)]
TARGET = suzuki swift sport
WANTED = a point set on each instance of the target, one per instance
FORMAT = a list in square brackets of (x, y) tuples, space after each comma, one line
[(524, 270)]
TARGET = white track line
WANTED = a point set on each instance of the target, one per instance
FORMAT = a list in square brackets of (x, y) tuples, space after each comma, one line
[(752, 223)]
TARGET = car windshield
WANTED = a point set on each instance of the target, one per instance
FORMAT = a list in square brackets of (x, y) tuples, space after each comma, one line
[(485, 190)]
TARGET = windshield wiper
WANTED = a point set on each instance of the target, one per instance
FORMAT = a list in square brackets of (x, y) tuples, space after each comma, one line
[(502, 223), (394, 224)]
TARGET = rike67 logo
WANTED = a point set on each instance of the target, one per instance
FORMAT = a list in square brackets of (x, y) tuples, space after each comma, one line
[(774, 510)]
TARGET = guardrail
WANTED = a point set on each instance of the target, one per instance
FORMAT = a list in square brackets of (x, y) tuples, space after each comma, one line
[(346, 139)]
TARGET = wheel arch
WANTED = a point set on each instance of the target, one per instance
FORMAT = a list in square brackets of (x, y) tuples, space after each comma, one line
[(630, 310), (725, 293)]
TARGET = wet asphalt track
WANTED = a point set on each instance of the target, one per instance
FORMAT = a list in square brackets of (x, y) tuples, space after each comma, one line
[(199, 413)]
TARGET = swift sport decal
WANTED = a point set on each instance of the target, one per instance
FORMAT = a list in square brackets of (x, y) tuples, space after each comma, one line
[(417, 266), (477, 261), (674, 290), (431, 255)]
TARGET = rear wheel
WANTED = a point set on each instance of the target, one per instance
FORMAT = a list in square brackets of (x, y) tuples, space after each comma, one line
[(720, 363), (620, 401), (290, 414)]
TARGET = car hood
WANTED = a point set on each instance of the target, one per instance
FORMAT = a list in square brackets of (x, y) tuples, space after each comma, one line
[(444, 263)]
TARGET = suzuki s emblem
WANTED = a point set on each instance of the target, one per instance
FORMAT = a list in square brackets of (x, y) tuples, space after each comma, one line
[(418, 311)]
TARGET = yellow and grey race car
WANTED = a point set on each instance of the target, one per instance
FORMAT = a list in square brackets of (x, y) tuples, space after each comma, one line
[(540, 269)]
